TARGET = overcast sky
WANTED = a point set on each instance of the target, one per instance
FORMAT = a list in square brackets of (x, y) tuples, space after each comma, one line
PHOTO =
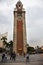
[(34, 19)]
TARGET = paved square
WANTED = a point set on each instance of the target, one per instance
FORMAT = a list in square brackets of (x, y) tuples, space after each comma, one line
[(36, 59)]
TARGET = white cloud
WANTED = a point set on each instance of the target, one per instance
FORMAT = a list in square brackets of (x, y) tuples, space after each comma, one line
[(34, 18)]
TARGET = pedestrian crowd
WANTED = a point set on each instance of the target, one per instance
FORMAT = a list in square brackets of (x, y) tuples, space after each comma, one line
[(13, 56)]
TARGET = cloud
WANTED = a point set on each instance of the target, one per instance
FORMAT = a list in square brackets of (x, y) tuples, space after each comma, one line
[(6, 20), (34, 24), (34, 18)]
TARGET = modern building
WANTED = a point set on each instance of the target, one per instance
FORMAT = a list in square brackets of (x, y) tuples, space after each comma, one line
[(19, 30)]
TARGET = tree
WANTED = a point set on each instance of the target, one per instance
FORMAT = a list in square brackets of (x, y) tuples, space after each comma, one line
[(30, 49), (11, 45), (4, 39), (2, 49)]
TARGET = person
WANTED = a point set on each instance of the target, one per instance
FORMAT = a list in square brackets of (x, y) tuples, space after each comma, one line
[(11, 55), (3, 56), (27, 57), (24, 54), (14, 56)]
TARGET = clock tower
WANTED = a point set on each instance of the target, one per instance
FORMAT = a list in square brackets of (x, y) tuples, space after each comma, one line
[(19, 31)]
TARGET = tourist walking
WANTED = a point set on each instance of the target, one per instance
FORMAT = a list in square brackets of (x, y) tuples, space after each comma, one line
[(27, 57), (3, 56), (14, 56), (24, 54), (11, 55)]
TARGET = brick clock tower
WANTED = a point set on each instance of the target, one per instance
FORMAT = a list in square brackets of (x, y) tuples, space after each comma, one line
[(19, 31)]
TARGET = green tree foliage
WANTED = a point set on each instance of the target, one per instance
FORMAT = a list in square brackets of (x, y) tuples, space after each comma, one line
[(11, 45), (4, 39), (30, 49), (2, 50)]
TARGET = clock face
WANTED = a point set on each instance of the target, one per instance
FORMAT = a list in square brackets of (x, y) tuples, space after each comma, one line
[(19, 7)]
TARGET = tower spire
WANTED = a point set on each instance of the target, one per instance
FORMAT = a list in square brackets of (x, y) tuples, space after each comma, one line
[(19, 1)]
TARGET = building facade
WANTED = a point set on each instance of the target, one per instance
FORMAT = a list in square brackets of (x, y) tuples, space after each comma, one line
[(19, 31)]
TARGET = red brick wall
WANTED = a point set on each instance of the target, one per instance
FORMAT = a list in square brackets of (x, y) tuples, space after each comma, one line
[(19, 37)]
